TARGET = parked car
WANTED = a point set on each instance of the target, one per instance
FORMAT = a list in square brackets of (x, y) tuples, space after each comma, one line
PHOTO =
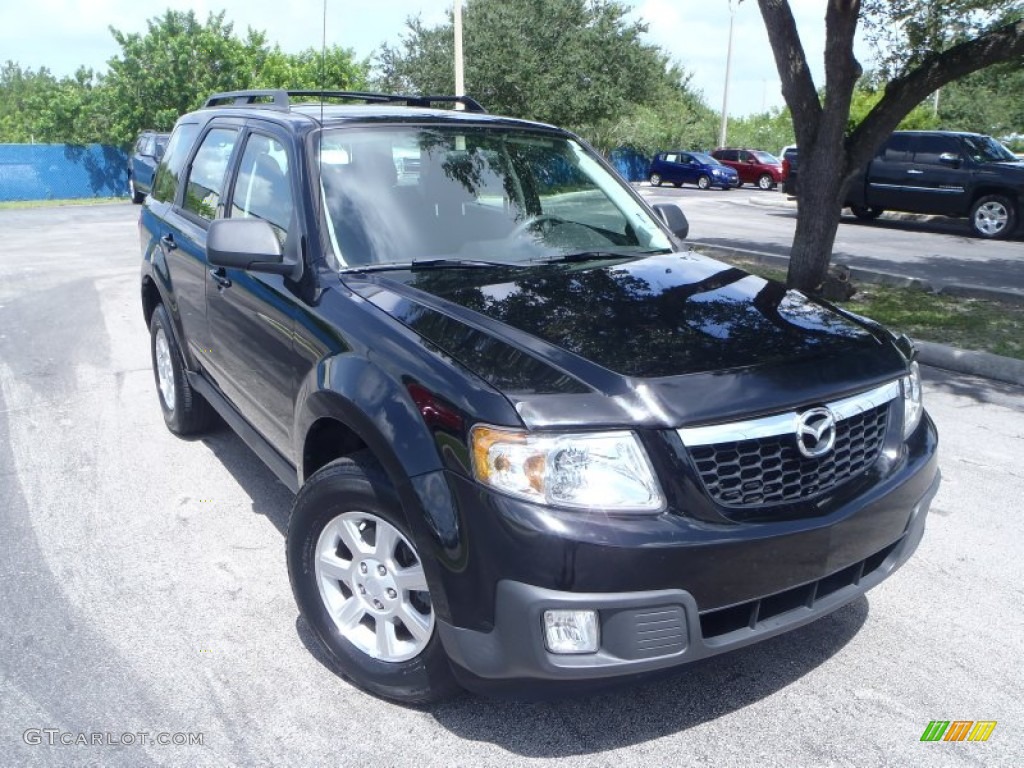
[(698, 168), (790, 162), (754, 166), (146, 153), (946, 173), (535, 442)]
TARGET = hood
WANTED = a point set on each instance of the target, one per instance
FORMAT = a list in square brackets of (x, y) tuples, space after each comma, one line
[(576, 328)]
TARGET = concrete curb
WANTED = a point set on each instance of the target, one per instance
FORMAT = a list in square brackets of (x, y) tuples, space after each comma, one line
[(972, 362), (984, 364)]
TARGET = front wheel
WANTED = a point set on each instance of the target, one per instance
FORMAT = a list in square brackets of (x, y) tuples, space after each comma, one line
[(765, 181), (993, 217), (704, 182), (359, 582), (137, 197), (655, 180)]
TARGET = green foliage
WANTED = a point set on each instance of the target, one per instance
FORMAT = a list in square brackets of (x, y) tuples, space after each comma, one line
[(770, 131), (575, 63), (866, 95), (158, 76), (905, 33)]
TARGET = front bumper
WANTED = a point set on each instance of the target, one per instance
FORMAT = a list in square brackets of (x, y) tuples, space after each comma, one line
[(670, 588), (645, 631)]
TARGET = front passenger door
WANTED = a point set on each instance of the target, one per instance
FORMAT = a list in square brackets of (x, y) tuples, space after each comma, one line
[(251, 313)]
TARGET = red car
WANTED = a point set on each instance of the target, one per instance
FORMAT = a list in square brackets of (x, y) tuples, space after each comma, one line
[(753, 165)]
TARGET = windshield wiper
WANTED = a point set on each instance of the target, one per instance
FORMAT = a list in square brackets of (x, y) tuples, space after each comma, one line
[(579, 256), (416, 264)]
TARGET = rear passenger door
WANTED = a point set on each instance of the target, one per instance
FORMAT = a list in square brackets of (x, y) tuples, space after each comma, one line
[(888, 176), (251, 357), (198, 202)]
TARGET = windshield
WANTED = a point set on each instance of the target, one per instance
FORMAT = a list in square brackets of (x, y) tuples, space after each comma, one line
[(985, 149), (767, 158), (401, 194), (700, 157)]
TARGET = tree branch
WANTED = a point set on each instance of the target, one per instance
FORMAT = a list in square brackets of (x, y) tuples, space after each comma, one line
[(906, 92), (791, 62)]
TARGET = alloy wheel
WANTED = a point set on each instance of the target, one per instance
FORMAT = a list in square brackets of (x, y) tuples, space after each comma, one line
[(372, 583)]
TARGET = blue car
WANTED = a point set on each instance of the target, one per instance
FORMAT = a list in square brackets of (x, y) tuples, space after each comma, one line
[(698, 168)]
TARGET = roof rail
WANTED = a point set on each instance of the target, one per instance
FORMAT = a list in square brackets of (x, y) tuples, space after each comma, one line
[(281, 99)]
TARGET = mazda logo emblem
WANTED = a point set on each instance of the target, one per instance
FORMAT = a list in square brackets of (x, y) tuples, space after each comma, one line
[(816, 432)]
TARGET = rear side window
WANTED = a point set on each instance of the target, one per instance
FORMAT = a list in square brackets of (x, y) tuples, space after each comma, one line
[(206, 175), (896, 149), (165, 185)]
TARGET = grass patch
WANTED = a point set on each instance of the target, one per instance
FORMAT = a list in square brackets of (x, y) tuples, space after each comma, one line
[(56, 203), (978, 324)]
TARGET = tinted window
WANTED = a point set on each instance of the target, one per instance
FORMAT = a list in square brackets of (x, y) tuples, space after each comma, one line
[(165, 186), (928, 148), (985, 149), (262, 190), (206, 175), (896, 149)]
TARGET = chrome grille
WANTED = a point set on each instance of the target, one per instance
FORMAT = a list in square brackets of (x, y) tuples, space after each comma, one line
[(757, 463)]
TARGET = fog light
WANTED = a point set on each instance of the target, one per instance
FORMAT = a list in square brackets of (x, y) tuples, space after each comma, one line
[(571, 631)]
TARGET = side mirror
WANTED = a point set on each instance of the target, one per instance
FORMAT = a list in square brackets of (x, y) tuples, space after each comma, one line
[(250, 244), (674, 218), (950, 158)]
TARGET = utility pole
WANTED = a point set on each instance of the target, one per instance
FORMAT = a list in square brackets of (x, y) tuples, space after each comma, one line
[(460, 83), (725, 92)]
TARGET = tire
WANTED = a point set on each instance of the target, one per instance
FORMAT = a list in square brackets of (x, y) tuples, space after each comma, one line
[(137, 197), (865, 213), (185, 411), (993, 217), (655, 179), (765, 182), (704, 182), (350, 592)]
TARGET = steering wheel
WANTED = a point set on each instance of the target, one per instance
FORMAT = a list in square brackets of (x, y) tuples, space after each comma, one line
[(535, 222)]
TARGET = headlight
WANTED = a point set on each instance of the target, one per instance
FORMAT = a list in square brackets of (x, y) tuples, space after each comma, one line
[(716, 172), (913, 406), (589, 470)]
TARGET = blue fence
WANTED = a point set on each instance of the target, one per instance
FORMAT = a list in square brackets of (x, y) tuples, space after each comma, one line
[(62, 171), (632, 165)]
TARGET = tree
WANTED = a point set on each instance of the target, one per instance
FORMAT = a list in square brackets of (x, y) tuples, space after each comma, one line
[(575, 63), (923, 45), (178, 62)]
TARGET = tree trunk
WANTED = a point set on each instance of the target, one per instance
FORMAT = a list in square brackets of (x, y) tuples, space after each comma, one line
[(820, 200)]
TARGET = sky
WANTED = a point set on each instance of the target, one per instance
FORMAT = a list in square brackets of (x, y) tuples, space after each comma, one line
[(65, 34)]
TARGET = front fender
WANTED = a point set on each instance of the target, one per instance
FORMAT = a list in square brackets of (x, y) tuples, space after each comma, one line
[(354, 391)]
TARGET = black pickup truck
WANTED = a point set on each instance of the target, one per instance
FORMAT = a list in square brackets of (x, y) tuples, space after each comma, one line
[(945, 173), (535, 441)]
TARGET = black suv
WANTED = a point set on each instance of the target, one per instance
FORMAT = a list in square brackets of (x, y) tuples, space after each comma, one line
[(534, 441), (146, 154), (945, 173)]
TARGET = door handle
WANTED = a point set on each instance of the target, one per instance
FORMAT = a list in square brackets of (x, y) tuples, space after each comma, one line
[(915, 171), (220, 278), (168, 242)]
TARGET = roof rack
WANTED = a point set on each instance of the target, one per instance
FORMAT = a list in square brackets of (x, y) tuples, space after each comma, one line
[(281, 99)]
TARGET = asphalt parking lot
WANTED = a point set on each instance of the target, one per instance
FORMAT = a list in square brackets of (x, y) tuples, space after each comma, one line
[(145, 591)]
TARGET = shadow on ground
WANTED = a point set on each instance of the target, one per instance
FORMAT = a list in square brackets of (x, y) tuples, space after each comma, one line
[(974, 388), (633, 714)]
